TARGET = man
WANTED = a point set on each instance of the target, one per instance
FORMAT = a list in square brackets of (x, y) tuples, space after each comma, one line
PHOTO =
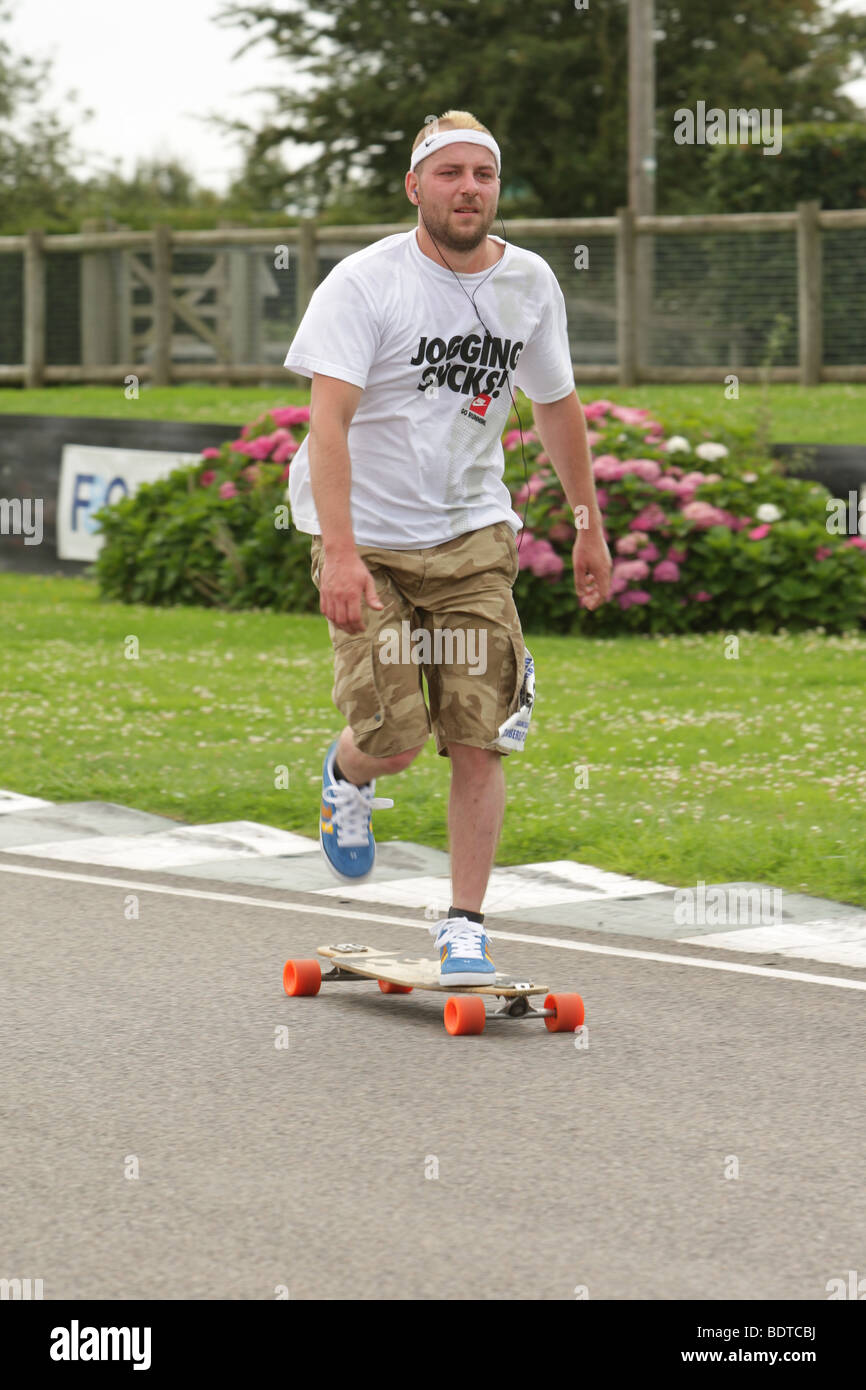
[(414, 345)]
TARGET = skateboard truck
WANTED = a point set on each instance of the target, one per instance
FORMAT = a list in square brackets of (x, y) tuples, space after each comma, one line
[(346, 948), (520, 1008), (465, 1010)]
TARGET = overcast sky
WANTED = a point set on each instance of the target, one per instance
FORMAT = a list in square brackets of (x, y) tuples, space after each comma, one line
[(148, 71)]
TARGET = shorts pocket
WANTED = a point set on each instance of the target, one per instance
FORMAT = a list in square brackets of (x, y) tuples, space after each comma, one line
[(357, 691), (511, 689), (513, 552), (316, 560)]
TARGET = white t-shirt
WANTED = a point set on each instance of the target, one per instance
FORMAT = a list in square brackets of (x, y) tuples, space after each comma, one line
[(425, 440)]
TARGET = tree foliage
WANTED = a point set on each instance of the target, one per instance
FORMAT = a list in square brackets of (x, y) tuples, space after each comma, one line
[(358, 77), (39, 185), (35, 149), (549, 79)]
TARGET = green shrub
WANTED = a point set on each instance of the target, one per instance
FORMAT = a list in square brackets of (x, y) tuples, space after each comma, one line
[(818, 159), (216, 534), (740, 545), (691, 546)]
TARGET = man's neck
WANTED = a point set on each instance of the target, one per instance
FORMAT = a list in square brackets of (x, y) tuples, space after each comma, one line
[(480, 258)]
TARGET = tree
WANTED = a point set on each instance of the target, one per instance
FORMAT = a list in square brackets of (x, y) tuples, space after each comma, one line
[(547, 78), (37, 158), (35, 182), (261, 184), (157, 190)]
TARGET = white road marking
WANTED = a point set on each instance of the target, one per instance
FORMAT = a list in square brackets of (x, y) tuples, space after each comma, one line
[(833, 940), (552, 942), (14, 801), (166, 849), (525, 885)]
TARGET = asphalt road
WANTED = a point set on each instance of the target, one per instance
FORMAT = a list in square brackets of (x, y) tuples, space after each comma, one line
[(149, 1042)]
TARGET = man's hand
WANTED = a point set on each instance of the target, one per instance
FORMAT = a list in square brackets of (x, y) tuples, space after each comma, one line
[(591, 559), (343, 583)]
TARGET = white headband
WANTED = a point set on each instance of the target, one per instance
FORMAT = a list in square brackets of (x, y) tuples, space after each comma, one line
[(452, 137)]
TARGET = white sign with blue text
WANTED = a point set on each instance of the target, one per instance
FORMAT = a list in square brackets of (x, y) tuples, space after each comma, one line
[(94, 476)]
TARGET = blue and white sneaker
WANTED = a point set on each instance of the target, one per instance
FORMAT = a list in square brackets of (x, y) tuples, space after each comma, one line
[(345, 824), (464, 952)]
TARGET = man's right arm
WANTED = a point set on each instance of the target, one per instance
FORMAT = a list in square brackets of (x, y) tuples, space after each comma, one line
[(345, 579)]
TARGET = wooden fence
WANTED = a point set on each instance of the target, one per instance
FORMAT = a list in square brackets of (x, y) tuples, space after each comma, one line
[(174, 297)]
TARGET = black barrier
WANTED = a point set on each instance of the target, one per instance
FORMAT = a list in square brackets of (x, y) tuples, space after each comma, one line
[(31, 447), (840, 467)]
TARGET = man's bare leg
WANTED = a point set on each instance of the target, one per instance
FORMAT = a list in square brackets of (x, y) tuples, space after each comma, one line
[(476, 810), (360, 767)]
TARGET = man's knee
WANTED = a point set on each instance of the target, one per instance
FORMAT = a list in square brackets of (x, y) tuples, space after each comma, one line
[(466, 755), (398, 761)]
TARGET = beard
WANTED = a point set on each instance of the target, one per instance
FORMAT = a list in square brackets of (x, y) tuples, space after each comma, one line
[(448, 229)]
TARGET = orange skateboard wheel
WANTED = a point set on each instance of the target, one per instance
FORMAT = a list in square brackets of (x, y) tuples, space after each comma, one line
[(568, 1012), (302, 977), (465, 1013), (387, 988)]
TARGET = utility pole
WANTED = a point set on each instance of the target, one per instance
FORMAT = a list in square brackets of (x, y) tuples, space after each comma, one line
[(641, 156)]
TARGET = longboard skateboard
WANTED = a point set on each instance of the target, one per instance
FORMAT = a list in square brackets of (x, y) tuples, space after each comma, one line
[(465, 1009)]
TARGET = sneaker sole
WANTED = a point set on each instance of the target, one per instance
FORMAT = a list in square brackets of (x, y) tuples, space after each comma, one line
[(345, 878), (468, 978)]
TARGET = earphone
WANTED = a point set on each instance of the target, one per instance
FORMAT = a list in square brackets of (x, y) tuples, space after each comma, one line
[(471, 298)]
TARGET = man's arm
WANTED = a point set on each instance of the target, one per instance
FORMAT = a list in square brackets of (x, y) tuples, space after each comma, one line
[(332, 405), (345, 579), (561, 427)]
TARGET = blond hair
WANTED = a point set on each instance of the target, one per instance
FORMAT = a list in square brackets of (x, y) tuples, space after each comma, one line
[(450, 120)]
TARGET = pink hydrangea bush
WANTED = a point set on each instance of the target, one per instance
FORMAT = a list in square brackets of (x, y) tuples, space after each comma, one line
[(703, 531), (270, 440), (218, 533)]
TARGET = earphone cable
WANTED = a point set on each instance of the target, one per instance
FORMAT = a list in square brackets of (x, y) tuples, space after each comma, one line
[(471, 298)]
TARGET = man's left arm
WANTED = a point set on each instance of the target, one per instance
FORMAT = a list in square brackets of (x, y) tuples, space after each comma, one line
[(561, 427)]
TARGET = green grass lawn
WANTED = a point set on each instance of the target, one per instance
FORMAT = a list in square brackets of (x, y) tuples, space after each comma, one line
[(698, 766), (832, 413)]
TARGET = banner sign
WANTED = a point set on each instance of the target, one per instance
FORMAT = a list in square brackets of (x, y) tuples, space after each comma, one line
[(92, 477)]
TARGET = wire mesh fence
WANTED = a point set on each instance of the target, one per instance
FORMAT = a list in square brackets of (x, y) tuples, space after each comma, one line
[(844, 296), (585, 268), (12, 307), (716, 298), (704, 299)]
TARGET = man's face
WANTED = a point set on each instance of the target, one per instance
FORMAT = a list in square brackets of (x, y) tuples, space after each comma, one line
[(459, 193)]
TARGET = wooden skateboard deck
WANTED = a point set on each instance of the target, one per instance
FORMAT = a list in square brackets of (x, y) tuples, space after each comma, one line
[(465, 1011), (416, 973)]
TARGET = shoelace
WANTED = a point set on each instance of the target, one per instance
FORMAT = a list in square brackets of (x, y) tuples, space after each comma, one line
[(352, 807), (464, 935)]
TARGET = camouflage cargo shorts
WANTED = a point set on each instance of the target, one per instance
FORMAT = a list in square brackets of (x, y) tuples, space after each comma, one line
[(448, 614)]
